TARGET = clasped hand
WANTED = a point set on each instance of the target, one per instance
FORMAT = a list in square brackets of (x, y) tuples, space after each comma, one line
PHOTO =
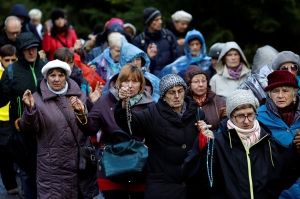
[(123, 93), (201, 125), (28, 98)]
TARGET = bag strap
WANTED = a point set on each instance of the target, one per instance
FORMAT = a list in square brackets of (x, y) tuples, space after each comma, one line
[(198, 114), (60, 41), (115, 132), (10, 74)]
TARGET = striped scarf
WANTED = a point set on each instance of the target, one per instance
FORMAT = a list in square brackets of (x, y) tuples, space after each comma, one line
[(249, 136)]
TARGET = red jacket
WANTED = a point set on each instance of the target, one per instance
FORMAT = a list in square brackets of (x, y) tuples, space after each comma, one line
[(51, 44)]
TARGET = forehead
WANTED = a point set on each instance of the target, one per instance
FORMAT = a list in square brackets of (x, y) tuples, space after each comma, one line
[(175, 88), (157, 18), (282, 88), (232, 51), (199, 76), (244, 111), (194, 41), (287, 64)]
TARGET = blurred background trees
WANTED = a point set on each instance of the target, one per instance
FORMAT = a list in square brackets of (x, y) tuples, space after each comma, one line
[(251, 23)]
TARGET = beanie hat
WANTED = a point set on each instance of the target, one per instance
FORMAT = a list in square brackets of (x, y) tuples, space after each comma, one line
[(181, 16), (115, 21), (191, 71), (283, 57), (150, 14), (215, 50), (240, 97), (129, 25), (57, 13), (170, 81), (56, 64), (281, 78)]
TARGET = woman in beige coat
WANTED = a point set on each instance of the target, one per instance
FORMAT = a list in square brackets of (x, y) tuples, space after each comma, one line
[(232, 70)]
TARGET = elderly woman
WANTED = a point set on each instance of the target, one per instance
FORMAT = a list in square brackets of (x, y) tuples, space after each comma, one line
[(281, 113), (101, 117), (243, 160), (232, 70), (58, 175), (199, 89), (169, 127), (195, 50)]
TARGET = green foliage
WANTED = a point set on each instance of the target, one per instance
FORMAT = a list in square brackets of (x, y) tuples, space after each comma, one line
[(251, 23)]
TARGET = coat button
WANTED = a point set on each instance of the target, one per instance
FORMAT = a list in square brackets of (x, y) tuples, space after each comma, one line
[(183, 146), (288, 130), (183, 184)]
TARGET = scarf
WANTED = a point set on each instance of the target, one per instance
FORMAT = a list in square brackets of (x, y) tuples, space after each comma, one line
[(135, 99), (236, 74), (182, 110), (112, 66), (287, 114), (61, 92), (248, 136), (200, 100)]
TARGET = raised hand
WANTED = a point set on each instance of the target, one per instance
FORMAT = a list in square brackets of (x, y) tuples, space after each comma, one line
[(28, 98), (152, 50), (97, 92), (201, 125), (76, 104), (123, 93)]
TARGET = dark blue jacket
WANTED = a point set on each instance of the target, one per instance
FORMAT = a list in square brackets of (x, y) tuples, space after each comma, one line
[(167, 52)]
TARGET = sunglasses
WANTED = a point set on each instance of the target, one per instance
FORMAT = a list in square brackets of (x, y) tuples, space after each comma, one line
[(293, 67), (12, 60)]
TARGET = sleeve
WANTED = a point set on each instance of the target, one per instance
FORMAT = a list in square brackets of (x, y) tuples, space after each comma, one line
[(141, 124), (213, 84), (30, 121), (176, 46), (137, 42), (5, 89), (46, 43)]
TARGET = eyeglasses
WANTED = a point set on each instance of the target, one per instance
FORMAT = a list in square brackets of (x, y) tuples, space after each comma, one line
[(13, 33), (242, 117), (293, 67), (12, 60), (198, 82), (172, 92)]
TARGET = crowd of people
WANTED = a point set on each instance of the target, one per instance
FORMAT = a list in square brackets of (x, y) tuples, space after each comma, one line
[(215, 126)]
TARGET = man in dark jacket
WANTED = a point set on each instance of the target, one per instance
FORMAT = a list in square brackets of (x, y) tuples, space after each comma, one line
[(154, 38), (10, 30), (23, 75)]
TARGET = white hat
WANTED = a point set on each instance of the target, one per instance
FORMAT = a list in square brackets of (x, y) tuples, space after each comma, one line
[(56, 64), (182, 16)]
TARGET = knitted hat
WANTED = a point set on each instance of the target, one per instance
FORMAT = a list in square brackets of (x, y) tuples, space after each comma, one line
[(57, 13), (215, 50), (170, 81), (240, 97), (56, 64), (150, 14), (129, 25), (283, 57), (115, 21), (281, 78), (191, 71), (182, 16)]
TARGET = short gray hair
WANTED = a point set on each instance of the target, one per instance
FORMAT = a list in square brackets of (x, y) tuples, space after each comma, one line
[(35, 14), (12, 18), (115, 39)]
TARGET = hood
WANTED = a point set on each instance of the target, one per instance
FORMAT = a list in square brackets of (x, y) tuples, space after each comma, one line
[(20, 10), (227, 47), (194, 34), (129, 52), (263, 56), (26, 39)]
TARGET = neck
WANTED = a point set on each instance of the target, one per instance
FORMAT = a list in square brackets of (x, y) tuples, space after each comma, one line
[(178, 109), (232, 68), (150, 30)]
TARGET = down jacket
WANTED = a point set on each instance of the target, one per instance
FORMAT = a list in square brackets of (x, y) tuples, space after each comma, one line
[(168, 138), (57, 152)]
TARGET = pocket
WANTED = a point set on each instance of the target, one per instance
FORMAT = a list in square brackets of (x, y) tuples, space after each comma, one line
[(154, 185)]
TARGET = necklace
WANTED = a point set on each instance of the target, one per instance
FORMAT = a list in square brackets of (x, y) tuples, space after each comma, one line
[(128, 114), (209, 164)]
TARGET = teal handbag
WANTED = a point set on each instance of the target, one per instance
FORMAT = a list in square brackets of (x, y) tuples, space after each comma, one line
[(124, 161)]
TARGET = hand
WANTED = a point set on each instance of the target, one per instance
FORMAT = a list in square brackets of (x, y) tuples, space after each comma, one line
[(93, 67), (76, 103), (97, 92), (223, 112), (297, 140), (180, 42), (201, 125), (28, 98), (42, 54), (47, 27), (78, 46), (92, 37), (152, 50), (123, 93)]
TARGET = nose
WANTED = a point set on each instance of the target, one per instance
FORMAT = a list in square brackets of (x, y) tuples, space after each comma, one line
[(176, 95), (246, 120), (130, 84), (280, 94)]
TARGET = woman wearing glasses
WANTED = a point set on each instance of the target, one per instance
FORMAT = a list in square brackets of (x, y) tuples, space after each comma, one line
[(243, 160), (281, 113)]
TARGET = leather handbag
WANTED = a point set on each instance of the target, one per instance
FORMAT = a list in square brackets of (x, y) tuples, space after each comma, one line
[(124, 161)]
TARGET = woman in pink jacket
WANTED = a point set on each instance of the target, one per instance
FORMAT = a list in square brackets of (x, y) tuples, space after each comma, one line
[(60, 35)]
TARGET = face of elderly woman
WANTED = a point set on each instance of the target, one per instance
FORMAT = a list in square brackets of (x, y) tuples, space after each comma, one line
[(133, 84), (282, 96), (232, 59), (199, 85), (174, 97), (115, 53), (243, 118), (56, 80)]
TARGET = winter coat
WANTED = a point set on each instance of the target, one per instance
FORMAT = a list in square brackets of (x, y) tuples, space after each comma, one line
[(180, 65), (167, 52), (51, 44), (168, 138), (57, 152), (222, 83), (268, 115), (101, 117), (211, 107), (23, 78), (262, 171), (128, 53)]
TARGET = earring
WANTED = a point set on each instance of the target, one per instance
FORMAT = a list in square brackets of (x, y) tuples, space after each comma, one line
[(294, 102)]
